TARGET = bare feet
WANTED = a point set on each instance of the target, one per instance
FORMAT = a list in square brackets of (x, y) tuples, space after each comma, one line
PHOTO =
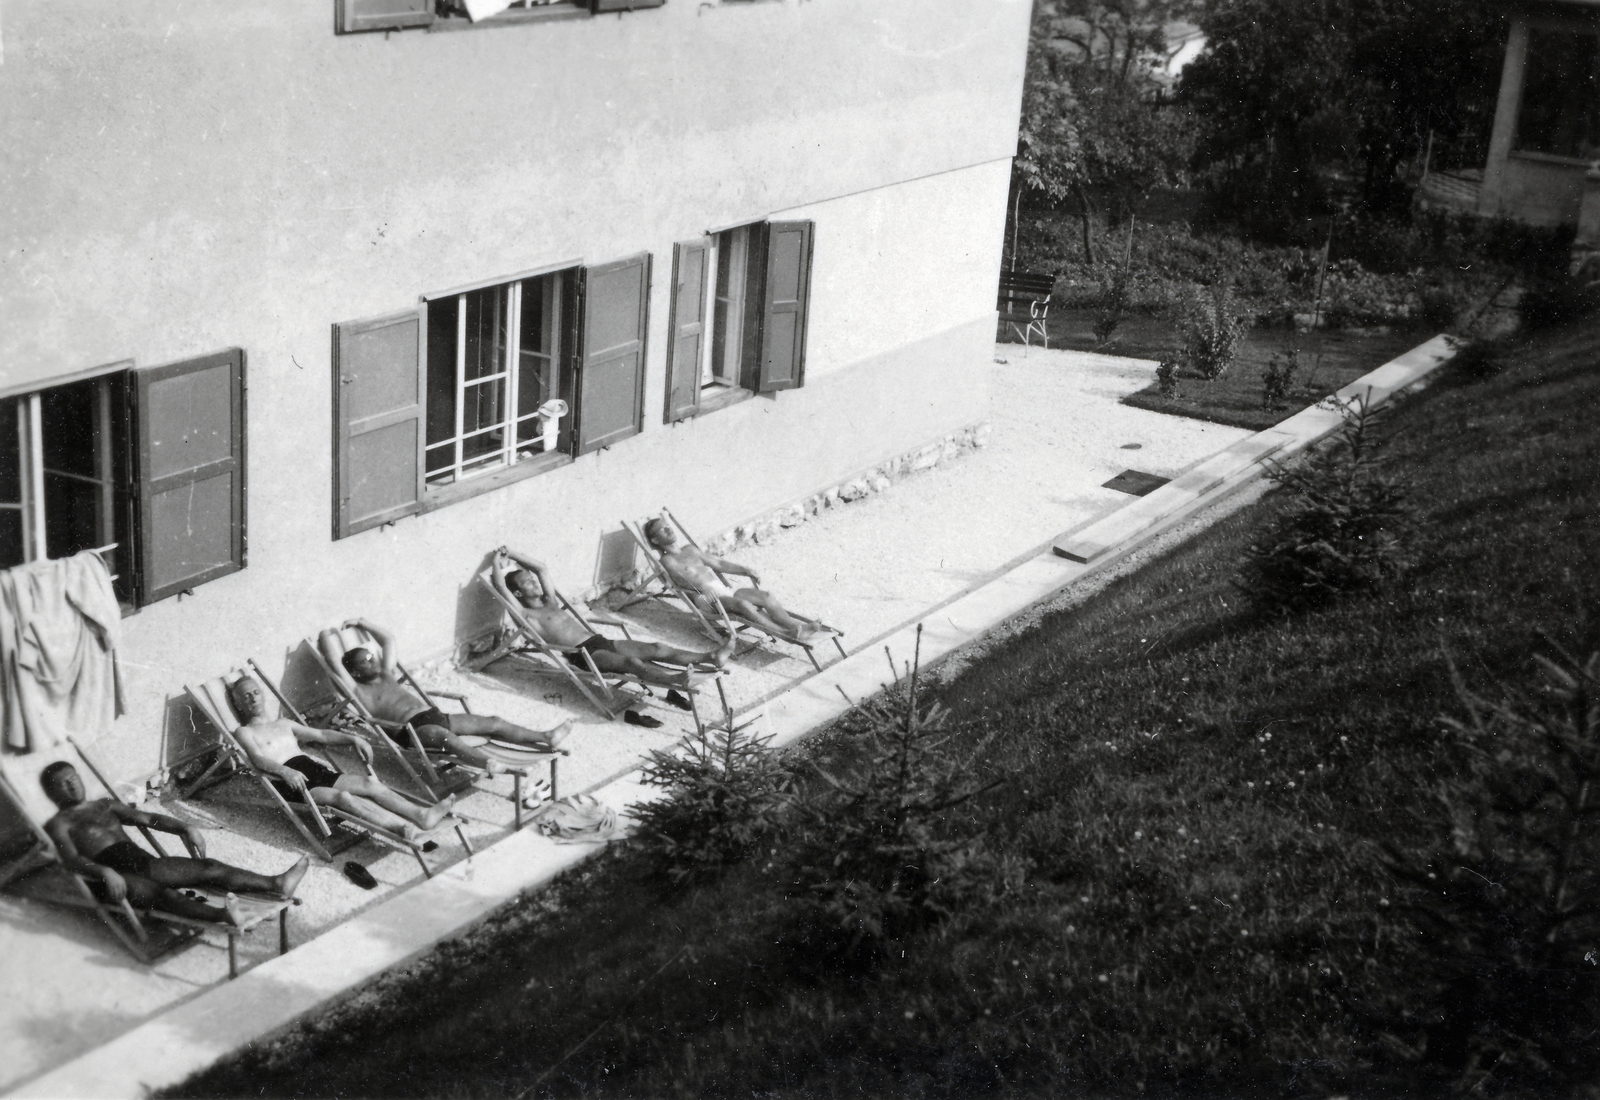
[(691, 679), (559, 734), (237, 913), (433, 815), (493, 766), (724, 652), (409, 831), (291, 878)]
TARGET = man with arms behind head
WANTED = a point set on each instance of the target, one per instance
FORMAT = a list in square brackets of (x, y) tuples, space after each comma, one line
[(91, 840), (529, 585), (374, 679), (696, 572)]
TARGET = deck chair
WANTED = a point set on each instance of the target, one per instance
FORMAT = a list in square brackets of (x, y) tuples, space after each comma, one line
[(1024, 304), (602, 689), (309, 819), (670, 588), (36, 872), (519, 762)]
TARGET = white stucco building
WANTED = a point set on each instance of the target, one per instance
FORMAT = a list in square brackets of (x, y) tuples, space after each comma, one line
[(280, 304)]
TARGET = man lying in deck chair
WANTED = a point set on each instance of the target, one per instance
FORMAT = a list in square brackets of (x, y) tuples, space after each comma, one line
[(375, 681), (276, 749), (696, 571), (92, 842), (530, 586)]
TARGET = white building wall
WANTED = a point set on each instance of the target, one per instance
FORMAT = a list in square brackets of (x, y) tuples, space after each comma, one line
[(179, 177)]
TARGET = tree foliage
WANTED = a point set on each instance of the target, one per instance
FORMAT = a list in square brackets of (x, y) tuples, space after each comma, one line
[(1287, 90), (1095, 124)]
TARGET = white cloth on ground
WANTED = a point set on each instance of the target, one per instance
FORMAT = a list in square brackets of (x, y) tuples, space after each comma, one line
[(60, 625)]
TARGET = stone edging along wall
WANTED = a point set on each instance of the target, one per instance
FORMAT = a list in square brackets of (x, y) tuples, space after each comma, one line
[(874, 479)]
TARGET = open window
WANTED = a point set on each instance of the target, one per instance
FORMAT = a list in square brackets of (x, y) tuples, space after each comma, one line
[(739, 306), (146, 466), (485, 385)]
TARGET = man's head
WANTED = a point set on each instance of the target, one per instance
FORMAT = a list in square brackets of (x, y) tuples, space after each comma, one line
[(63, 784), (525, 586), (660, 534), (362, 666), (248, 697)]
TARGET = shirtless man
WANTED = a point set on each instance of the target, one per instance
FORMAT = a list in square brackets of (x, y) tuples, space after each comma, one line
[(530, 586), (92, 842), (274, 747), (376, 682), (696, 571)]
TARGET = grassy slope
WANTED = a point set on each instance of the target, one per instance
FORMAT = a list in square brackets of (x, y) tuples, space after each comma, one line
[(1201, 910)]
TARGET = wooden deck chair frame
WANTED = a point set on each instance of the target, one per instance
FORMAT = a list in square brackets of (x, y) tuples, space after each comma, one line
[(520, 769), (322, 840), (40, 875), (588, 680), (678, 592)]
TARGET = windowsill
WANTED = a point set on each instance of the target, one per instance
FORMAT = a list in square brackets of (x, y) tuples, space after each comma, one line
[(545, 14), (445, 495), (720, 397), (1551, 158)]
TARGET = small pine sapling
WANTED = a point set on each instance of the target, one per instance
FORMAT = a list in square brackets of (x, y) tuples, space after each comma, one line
[(725, 788), (1504, 891), (872, 860), (1345, 527), (1211, 331)]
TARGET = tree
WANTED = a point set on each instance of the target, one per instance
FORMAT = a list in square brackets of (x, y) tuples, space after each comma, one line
[(1288, 90), (1095, 125)]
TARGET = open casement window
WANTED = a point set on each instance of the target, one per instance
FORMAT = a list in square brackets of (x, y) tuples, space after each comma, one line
[(65, 474), (498, 376), (190, 419), (687, 350), (786, 295), (377, 409), (616, 299), (355, 16), (145, 466)]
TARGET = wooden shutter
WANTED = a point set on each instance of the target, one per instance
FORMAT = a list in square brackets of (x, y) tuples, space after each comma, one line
[(616, 301), (686, 326), (355, 16), (190, 426), (783, 306), (377, 417)]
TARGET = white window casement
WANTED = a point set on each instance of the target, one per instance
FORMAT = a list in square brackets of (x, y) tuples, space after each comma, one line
[(146, 466), (484, 385), (496, 391), (739, 306)]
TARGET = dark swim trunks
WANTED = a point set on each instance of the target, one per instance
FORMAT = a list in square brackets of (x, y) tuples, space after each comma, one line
[(594, 643), (123, 857), (433, 716), (317, 775)]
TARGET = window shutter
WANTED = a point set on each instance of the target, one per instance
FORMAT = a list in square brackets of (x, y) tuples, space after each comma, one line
[(383, 15), (783, 307), (190, 440), (377, 415), (687, 327), (611, 376)]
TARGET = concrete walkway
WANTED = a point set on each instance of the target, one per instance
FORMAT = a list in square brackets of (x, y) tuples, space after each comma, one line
[(945, 540)]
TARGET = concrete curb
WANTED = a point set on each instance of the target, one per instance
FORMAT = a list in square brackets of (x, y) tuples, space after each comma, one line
[(272, 996)]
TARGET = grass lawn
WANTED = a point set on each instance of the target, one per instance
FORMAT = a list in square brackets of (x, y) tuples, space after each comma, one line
[(1329, 359), (1191, 823)]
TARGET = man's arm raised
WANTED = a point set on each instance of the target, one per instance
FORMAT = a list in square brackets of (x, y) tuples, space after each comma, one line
[(385, 640), (332, 646)]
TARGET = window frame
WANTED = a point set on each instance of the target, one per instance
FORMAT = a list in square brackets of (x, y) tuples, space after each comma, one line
[(127, 419)]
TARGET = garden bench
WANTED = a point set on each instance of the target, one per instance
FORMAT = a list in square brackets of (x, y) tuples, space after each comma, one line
[(1025, 303)]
